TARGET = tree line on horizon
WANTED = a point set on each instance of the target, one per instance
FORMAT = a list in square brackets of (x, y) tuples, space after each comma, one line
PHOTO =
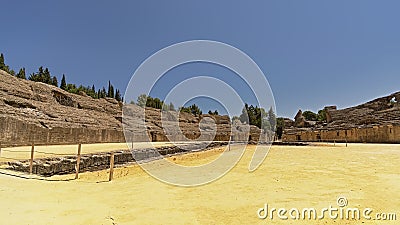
[(43, 75), (252, 115), (144, 100), (259, 117)]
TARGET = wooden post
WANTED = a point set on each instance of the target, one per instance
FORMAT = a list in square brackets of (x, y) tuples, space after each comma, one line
[(346, 142), (31, 160), (229, 146), (78, 161), (111, 166), (334, 142)]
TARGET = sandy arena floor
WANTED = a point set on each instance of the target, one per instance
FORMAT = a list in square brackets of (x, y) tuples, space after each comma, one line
[(291, 177)]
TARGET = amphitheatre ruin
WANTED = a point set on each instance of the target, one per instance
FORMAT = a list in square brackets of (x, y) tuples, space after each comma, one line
[(42, 114), (43, 189), (34, 112), (377, 121)]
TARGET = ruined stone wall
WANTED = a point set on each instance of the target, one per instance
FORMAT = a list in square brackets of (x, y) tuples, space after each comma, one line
[(15, 132), (34, 112), (374, 134)]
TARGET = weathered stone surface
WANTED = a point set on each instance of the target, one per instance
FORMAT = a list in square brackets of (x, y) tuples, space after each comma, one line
[(299, 120), (34, 112), (376, 121), (44, 114)]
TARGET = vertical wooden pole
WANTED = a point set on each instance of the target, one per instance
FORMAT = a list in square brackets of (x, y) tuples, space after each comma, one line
[(31, 160), (346, 142), (133, 138), (334, 142), (78, 161), (111, 166)]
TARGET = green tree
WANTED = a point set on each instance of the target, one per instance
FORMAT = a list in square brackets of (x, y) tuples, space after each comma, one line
[(171, 106), (118, 95), (272, 119), (280, 126), (141, 100), (110, 92), (43, 75), (213, 113), (2, 61), (54, 81), (46, 76), (321, 115), (193, 109), (244, 117), (101, 93), (308, 115), (21, 73), (3, 66), (257, 116), (71, 88), (63, 84)]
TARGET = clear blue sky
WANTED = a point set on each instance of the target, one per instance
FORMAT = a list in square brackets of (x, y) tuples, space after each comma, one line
[(314, 53)]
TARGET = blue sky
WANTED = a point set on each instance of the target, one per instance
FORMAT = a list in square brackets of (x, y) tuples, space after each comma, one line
[(313, 53)]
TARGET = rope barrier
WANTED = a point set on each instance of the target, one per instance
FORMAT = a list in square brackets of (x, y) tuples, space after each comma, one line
[(46, 153), (53, 153), (5, 150)]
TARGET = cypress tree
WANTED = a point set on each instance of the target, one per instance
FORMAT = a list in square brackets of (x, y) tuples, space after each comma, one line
[(54, 81), (109, 89), (46, 76), (3, 66), (118, 95), (40, 75), (1, 61), (171, 106), (103, 93), (63, 84)]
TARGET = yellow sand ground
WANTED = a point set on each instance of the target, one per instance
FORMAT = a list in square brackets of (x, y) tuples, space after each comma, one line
[(291, 177)]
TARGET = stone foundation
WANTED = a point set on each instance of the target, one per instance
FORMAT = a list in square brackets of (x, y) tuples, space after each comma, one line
[(373, 134), (15, 132)]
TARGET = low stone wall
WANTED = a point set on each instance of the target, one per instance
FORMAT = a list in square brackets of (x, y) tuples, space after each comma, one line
[(99, 161), (15, 132)]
